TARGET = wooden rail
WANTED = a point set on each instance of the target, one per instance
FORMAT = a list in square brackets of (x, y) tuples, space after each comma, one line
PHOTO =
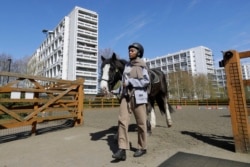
[(28, 100), (102, 102)]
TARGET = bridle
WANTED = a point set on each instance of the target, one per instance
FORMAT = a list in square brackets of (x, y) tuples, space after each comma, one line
[(116, 76)]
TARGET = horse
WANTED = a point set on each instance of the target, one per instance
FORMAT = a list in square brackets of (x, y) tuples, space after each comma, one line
[(111, 73)]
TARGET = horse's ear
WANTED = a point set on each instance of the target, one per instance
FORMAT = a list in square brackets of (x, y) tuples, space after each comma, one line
[(114, 56), (103, 58)]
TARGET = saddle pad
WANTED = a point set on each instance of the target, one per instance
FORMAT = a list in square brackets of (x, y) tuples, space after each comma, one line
[(154, 78)]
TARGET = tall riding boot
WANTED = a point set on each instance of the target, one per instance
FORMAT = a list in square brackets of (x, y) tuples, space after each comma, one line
[(120, 155)]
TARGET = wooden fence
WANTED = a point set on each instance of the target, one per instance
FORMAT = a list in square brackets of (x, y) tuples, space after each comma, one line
[(102, 102), (28, 100)]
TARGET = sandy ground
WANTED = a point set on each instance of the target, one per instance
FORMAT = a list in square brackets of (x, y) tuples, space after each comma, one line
[(198, 131)]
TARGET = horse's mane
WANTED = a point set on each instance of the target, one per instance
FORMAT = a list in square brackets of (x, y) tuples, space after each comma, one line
[(123, 61), (119, 63)]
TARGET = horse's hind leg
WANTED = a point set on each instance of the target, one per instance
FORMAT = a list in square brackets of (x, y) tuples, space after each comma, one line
[(168, 116), (149, 128), (152, 118), (151, 111)]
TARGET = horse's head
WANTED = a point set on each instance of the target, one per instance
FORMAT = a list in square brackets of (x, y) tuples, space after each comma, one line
[(111, 73)]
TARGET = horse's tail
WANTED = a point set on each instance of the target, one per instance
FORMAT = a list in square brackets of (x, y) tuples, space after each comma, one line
[(161, 102), (171, 109), (164, 88)]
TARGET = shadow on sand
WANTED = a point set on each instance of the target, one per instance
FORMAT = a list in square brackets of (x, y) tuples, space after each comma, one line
[(223, 142), (110, 136), (27, 133)]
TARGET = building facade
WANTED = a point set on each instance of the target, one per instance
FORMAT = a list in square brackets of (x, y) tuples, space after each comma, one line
[(70, 50), (195, 60), (185, 63), (245, 71), (221, 80)]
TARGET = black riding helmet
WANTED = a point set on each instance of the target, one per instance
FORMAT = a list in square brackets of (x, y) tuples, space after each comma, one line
[(139, 47)]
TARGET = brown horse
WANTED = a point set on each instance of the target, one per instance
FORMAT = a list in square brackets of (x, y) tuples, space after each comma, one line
[(111, 73)]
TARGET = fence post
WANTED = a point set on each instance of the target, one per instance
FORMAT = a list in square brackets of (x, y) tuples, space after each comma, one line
[(102, 102), (33, 128), (80, 103)]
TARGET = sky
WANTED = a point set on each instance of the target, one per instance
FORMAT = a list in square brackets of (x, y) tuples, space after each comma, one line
[(161, 26)]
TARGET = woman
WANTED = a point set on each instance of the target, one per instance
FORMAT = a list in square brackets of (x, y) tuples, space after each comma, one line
[(134, 98)]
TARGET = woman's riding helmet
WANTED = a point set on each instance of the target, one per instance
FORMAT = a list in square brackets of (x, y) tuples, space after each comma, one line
[(139, 47)]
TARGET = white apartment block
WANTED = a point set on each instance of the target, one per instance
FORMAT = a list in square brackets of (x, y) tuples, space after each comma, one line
[(70, 50), (220, 82), (195, 60), (220, 75), (245, 71)]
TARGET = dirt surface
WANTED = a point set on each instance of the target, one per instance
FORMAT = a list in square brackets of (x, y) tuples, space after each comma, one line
[(197, 131)]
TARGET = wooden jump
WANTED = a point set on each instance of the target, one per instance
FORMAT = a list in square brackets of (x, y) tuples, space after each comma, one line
[(237, 99)]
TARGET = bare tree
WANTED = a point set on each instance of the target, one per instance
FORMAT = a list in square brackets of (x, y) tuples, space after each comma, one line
[(32, 68), (4, 62), (9, 64), (201, 86), (173, 85), (181, 84), (187, 85), (20, 65), (5, 65)]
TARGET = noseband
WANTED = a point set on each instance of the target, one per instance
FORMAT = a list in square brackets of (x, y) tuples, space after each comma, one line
[(114, 78)]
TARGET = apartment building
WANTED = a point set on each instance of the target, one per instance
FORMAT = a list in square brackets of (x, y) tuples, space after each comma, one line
[(194, 60), (245, 67), (197, 60), (70, 50), (220, 77), (220, 82)]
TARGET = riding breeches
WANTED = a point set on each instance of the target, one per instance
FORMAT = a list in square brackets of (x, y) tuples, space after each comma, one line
[(139, 111)]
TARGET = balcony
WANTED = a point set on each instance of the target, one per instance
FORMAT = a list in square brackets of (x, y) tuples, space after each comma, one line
[(86, 73), (86, 56), (87, 41), (87, 65), (87, 33), (87, 25), (88, 18), (89, 82), (85, 48)]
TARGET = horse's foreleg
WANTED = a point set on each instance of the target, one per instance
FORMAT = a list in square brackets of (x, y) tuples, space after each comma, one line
[(149, 128), (152, 118), (168, 116)]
